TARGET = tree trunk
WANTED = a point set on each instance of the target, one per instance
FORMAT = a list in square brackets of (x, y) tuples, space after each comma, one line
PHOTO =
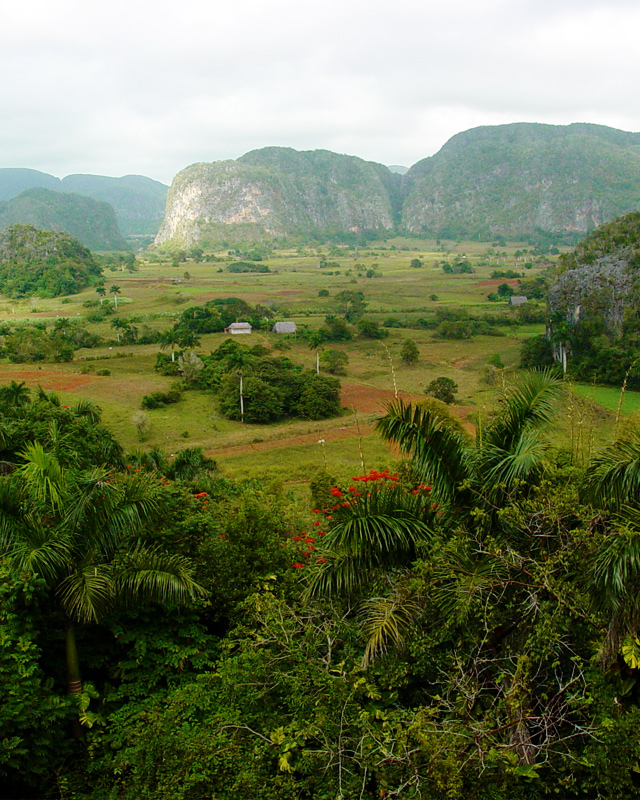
[(74, 682)]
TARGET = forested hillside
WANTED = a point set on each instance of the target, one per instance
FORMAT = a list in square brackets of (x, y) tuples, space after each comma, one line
[(595, 305), (91, 222), (41, 262), (138, 201), (523, 180)]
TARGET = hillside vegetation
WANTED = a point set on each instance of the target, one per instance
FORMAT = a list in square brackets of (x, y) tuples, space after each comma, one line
[(138, 201), (595, 304), (525, 180), (42, 262), (91, 222)]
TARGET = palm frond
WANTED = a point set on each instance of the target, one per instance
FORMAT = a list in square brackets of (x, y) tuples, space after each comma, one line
[(148, 574), (439, 451), (42, 474), (463, 577), (87, 594), (529, 404), (612, 478), (89, 410), (616, 568), (380, 530), (502, 470), (385, 622)]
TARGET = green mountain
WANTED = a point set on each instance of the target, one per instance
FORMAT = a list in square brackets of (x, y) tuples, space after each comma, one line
[(594, 306), (92, 222), (278, 190), (47, 263), (517, 180), (137, 201), (14, 180)]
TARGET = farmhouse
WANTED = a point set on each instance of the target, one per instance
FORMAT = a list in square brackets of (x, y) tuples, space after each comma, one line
[(517, 300), (238, 327), (284, 327)]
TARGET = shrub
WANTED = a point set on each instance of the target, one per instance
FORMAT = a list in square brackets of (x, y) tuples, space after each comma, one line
[(443, 389), (160, 399)]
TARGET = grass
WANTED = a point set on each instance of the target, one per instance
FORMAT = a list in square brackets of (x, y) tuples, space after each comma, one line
[(609, 398), (151, 298)]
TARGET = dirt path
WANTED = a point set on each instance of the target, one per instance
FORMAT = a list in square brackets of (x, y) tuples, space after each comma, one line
[(363, 399)]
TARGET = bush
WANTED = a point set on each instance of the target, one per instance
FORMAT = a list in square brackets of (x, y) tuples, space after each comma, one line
[(409, 352), (160, 399), (536, 352), (443, 389), (334, 361), (320, 398)]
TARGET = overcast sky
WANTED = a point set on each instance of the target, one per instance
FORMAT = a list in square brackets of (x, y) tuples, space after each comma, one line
[(150, 87)]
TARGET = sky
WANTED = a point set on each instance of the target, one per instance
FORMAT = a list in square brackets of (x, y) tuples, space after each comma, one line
[(132, 87)]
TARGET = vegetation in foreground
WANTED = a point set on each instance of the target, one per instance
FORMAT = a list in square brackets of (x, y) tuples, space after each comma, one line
[(462, 624)]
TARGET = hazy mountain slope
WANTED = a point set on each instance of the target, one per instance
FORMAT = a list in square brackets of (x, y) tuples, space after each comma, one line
[(139, 202), (519, 178), (280, 190), (92, 222), (14, 180)]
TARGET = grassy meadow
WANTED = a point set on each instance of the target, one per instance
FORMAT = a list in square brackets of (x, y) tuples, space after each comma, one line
[(155, 294)]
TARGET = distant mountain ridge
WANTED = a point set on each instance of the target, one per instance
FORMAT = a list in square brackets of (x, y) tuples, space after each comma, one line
[(90, 221), (138, 201), (509, 180)]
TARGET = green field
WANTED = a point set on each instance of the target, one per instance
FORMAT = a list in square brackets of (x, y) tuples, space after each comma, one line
[(154, 296)]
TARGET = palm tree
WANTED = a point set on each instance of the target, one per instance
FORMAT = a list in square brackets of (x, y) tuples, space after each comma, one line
[(376, 532), (612, 483), (504, 460), (81, 533), (170, 339), (15, 394), (115, 291)]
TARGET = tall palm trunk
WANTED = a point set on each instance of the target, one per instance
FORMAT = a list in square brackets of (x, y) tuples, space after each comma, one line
[(74, 682)]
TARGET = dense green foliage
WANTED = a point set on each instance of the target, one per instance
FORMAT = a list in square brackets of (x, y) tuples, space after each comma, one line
[(464, 628), (48, 263), (272, 387), (531, 182), (595, 305)]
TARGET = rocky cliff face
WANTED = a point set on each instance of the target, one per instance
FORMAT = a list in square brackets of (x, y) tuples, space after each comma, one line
[(509, 180), (280, 191)]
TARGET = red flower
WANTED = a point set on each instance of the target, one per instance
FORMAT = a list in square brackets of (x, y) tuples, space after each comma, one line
[(317, 511), (298, 565), (336, 492), (315, 523), (298, 538), (200, 494), (309, 540), (322, 561)]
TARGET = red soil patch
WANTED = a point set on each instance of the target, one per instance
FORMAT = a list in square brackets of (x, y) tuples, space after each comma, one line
[(498, 281), (53, 380), (358, 396), (369, 399)]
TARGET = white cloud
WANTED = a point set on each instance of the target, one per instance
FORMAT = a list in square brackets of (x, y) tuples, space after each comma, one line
[(151, 88)]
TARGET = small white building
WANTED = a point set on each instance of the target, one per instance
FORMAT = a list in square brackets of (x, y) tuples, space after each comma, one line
[(284, 327), (518, 300), (238, 327)]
